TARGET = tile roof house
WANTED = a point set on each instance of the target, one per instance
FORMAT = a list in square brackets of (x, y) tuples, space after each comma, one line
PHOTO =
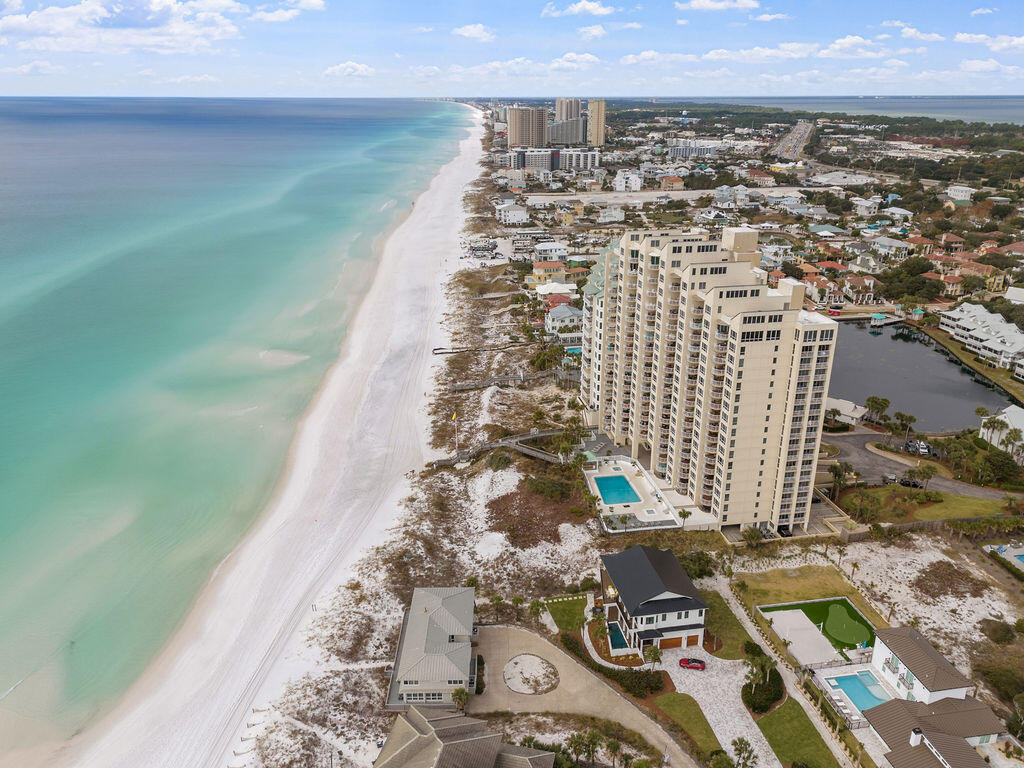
[(435, 654), (649, 600), (425, 738)]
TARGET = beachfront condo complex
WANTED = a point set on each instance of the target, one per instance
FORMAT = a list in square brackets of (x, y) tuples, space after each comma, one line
[(527, 126), (699, 368), (595, 122)]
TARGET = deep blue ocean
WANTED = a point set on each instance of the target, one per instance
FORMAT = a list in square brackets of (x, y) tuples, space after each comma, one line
[(176, 276)]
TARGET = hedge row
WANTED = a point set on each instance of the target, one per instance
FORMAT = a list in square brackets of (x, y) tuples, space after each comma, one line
[(1005, 565), (636, 682)]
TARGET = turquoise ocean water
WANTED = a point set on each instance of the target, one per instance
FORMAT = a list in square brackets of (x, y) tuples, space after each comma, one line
[(176, 277)]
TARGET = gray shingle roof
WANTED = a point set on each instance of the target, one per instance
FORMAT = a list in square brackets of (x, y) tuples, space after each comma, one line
[(651, 580)]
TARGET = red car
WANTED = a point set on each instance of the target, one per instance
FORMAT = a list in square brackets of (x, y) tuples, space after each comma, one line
[(691, 664)]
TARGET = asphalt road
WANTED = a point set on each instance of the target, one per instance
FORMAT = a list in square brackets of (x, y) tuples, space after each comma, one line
[(872, 466)]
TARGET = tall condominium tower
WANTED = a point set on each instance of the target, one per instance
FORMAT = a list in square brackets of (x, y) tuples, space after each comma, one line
[(567, 109), (527, 126), (595, 122), (690, 359)]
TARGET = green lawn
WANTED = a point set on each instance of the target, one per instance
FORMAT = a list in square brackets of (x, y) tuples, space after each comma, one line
[(792, 585), (898, 505), (686, 713), (840, 623), (721, 622), (568, 614), (793, 738)]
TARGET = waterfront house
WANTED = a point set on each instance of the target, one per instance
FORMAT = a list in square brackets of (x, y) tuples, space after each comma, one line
[(1013, 417), (435, 654), (912, 666), (860, 289), (649, 600), (511, 214), (551, 251), (546, 272), (426, 738), (986, 334), (565, 323)]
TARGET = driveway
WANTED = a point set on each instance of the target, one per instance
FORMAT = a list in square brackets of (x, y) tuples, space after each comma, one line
[(853, 448), (579, 690), (717, 692)]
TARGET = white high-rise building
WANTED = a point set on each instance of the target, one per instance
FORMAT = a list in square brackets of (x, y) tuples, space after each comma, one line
[(694, 364)]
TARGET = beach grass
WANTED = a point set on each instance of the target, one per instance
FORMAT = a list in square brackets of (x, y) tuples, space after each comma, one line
[(686, 713), (793, 737), (567, 613), (898, 506), (723, 624)]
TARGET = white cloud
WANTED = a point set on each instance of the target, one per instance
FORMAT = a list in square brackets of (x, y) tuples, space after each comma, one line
[(591, 7), (349, 69), (656, 57), (991, 65), (895, 63), (632, 25), (574, 61), (916, 34), (853, 47), (34, 68), (422, 30), (281, 14), (155, 26), (761, 53), (592, 32), (983, 11), (992, 42), (189, 79), (476, 32), (425, 71), (771, 17), (894, 23), (10, 6), (717, 5), (682, 22)]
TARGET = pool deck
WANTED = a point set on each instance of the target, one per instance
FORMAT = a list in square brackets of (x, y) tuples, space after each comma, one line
[(1010, 553), (659, 506)]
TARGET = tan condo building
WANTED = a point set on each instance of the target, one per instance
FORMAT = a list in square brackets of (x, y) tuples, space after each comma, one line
[(595, 122), (713, 380), (527, 126)]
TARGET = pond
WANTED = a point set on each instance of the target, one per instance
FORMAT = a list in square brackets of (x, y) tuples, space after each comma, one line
[(913, 373)]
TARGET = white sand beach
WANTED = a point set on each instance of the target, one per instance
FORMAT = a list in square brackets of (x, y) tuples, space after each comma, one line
[(339, 493)]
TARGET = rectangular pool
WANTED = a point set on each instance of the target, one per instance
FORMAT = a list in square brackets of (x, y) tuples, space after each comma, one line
[(1021, 558), (615, 489), (863, 689), (615, 637)]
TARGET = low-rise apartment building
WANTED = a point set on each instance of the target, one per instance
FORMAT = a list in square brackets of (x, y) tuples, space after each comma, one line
[(996, 341), (697, 366)]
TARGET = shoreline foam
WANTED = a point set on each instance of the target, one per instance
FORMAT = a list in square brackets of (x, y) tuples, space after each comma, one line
[(339, 490)]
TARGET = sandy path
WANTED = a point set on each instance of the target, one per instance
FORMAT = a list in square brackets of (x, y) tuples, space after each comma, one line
[(360, 437)]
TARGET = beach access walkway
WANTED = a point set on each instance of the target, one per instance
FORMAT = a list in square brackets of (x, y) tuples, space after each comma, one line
[(515, 442), (579, 691)]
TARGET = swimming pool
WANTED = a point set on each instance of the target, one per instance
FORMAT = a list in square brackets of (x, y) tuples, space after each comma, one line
[(863, 689), (574, 350), (615, 489), (1020, 557), (615, 637)]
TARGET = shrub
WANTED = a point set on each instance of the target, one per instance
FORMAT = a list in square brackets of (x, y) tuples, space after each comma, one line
[(998, 632), (750, 648), (697, 563), (635, 682), (479, 674), (980, 442), (588, 583), (760, 698), (1006, 680), (549, 488), (498, 460)]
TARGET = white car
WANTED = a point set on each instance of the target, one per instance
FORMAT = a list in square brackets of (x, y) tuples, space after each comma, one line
[(821, 307)]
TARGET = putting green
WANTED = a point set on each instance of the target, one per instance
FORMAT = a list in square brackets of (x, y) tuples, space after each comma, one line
[(844, 627)]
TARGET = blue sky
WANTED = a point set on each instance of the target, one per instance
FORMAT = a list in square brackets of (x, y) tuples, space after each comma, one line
[(530, 47)]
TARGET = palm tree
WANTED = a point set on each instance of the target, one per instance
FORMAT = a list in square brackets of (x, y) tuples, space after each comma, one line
[(576, 743), (627, 759), (744, 753), (905, 421), (517, 600), (1015, 436), (926, 472), (839, 471), (460, 698), (591, 744), (752, 536), (496, 601), (600, 630), (536, 608), (853, 568), (613, 747), (652, 655), (981, 412)]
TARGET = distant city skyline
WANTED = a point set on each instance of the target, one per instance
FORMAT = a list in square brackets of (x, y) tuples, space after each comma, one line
[(546, 49)]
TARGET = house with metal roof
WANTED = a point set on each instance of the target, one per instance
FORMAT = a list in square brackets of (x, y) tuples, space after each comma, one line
[(428, 738), (649, 600), (435, 653)]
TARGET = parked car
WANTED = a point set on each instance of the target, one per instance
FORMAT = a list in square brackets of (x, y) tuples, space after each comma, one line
[(908, 483), (691, 664), (821, 307), (888, 479)]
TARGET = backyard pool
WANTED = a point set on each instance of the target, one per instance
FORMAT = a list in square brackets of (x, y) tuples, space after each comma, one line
[(615, 637), (1020, 557), (615, 489), (863, 689)]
